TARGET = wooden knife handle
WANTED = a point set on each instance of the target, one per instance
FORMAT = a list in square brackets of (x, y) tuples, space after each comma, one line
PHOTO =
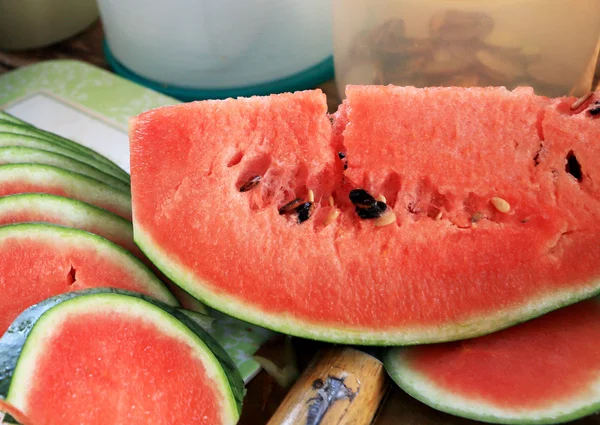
[(341, 386)]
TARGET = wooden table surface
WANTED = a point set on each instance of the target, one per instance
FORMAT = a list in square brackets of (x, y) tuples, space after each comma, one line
[(264, 394)]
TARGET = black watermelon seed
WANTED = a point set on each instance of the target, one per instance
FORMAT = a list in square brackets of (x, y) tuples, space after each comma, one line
[(304, 211), (362, 199), (594, 111), (344, 159), (290, 206), (382, 206), (368, 213), (375, 211), (250, 184)]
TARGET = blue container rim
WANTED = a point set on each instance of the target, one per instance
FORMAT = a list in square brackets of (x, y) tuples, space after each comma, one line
[(305, 79)]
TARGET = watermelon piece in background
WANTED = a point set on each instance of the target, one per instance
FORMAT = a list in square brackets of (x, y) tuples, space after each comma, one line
[(54, 373), (28, 178), (544, 371), (41, 260), (25, 129), (479, 238), (19, 140), (41, 207), (26, 155)]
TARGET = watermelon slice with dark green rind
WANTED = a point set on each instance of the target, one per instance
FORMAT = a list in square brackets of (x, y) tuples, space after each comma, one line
[(40, 260), (544, 371), (28, 130), (42, 207), (53, 209), (418, 280), (23, 155), (28, 333), (10, 139), (28, 178)]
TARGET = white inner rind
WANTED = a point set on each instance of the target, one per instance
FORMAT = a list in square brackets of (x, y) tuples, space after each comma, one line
[(290, 324), (61, 236), (421, 387), (129, 309)]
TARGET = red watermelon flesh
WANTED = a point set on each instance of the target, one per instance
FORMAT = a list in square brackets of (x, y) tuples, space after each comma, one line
[(141, 363), (92, 386), (41, 260), (425, 277), (542, 371)]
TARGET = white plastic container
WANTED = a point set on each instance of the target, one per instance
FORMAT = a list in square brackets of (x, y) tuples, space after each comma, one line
[(209, 44), (551, 45), (28, 24)]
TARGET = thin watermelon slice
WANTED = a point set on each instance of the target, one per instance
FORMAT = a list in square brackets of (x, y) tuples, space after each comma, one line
[(27, 178), (28, 130), (9, 139), (11, 118), (544, 371), (477, 240), (41, 260), (145, 360), (41, 207), (23, 155)]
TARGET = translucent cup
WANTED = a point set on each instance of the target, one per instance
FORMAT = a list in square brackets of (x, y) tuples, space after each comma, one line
[(551, 45)]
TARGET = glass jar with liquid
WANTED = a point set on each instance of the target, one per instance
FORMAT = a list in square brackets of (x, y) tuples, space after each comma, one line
[(551, 45)]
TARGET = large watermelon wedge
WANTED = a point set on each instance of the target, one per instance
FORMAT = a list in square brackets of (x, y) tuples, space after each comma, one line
[(41, 260), (28, 178), (490, 214), (145, 360), (544, 371)]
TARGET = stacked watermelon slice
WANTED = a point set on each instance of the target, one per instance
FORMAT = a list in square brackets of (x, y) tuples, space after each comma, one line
[(91, 334)]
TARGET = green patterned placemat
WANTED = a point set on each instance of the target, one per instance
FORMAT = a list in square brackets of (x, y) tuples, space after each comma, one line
[(93, 106)]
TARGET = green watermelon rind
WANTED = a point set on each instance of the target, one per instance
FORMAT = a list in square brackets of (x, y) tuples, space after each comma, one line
[(67, 207), (26, 155), (80, 182), (220, 362), (476, 326), (71, 235), (10, 118), (11, 139), (29, 130), (424, 390)]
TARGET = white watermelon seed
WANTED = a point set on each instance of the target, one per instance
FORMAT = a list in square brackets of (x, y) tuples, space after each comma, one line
[(579, 102), (386, 219), (438, 217), (500, 204), (311, 196), (381, 198), (331, 201), (333, 215)]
